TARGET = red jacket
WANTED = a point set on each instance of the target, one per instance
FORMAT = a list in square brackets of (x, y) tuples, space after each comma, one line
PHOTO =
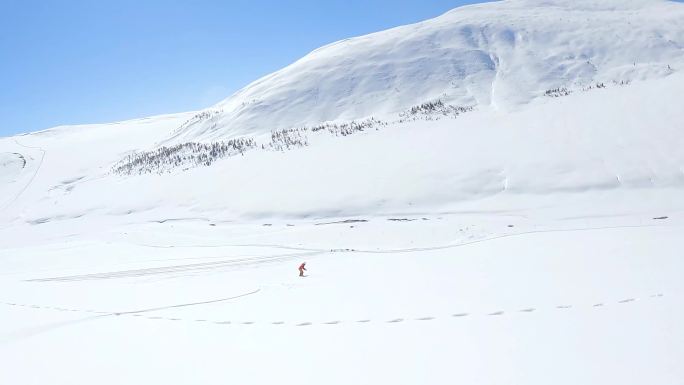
[(301, 267)]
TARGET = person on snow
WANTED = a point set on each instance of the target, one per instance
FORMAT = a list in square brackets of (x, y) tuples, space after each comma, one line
[(302, 269)]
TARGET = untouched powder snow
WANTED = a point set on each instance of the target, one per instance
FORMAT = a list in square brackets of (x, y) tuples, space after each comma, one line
[(533, 239), (583, 144), (497, 55)]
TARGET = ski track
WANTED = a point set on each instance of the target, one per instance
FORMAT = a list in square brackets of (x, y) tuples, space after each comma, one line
[(186, 304), (451, 246), (498, 313), (272, 246), (205, 266), (405, 250), (193, 267), (596, 305)]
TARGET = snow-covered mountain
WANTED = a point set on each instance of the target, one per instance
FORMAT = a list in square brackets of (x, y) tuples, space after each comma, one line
[(523, 97), (590, 91), (512, 214), (497, 55)]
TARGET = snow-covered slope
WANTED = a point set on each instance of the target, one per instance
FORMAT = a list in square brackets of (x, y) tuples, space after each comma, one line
[(533, 240), (625, 136), (496, 55), (618, 140)]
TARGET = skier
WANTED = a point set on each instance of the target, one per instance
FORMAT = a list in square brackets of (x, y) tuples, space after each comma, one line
[(302, 269)]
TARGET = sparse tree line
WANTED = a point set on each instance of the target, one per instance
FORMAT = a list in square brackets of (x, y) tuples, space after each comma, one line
[(286, 139), (349, 128), (594, 86), (192, 154), (557, 92), (564, 91), (433, 111), (199, 118), (185, 155)]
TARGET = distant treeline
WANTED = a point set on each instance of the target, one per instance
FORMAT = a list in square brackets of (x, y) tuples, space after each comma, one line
[(193, 154)]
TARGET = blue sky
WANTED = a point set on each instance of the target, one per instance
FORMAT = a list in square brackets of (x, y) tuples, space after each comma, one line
[(71, 62)]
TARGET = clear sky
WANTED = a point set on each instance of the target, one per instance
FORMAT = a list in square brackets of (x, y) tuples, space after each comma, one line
[(82, 61)]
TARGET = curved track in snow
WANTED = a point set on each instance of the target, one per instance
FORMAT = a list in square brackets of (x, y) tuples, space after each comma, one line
[(31, 179), (497, 313), (187, 304), (187, 268), (251, 261), (419, 249), (404, 250)]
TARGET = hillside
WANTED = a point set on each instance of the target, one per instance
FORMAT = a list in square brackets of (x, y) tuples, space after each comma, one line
[(493, 196), (494, 56), (582, 144)]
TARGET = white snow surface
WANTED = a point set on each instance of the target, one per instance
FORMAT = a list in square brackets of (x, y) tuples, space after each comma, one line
[(499, 54), (535, 240)]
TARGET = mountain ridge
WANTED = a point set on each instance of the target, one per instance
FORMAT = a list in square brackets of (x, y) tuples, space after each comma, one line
[(497, 55)]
